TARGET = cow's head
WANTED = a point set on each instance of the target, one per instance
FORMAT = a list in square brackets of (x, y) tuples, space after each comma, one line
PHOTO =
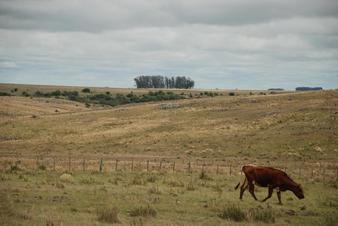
[(298, 190)]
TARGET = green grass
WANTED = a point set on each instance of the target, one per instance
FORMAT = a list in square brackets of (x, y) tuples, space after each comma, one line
[(34, 198)]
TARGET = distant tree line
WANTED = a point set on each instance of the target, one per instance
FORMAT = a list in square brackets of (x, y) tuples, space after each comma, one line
[(308, 88), (159, 81)]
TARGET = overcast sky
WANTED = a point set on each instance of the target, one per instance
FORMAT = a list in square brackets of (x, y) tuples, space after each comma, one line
[(245, 44)]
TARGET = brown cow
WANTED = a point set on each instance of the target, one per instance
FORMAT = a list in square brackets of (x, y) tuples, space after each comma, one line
[(271, 178)]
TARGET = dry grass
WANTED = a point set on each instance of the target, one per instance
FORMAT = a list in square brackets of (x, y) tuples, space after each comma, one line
[(108, 215), (290, 128), (297, 126)]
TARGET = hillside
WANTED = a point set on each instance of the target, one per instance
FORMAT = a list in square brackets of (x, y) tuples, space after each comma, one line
[(280, 126)]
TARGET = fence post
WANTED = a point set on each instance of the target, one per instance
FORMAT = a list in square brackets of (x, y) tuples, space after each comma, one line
[(116, 163), (69, 162), (174, 168), (54, 163), (203, 170), (132, 165), (189, 167), (217, 169), (230, 169), (299, 172), (83, 165), (160, 164), (101, 165), (337, 174), (37, 161)]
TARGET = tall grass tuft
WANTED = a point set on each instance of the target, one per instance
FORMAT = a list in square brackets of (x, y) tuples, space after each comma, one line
[(108, 215), (143, 211), (330, 220), (233, 212), (263, 215)]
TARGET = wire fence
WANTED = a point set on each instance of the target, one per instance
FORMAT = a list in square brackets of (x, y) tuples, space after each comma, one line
[(323, 171)]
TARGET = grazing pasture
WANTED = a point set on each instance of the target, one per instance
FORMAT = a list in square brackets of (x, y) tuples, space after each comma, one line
[(296, 131)]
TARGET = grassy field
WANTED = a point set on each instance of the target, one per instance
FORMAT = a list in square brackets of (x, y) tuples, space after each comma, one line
[(285, 129)]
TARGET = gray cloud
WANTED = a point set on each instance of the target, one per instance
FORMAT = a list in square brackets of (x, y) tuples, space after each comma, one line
[(231, 44)]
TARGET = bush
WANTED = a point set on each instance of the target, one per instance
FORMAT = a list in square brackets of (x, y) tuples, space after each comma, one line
[(231, 94), (42, 167), (203, 176), (138, 180), (143, 211), (25, 94), (86, 90), (4, 94), (108, 215), (233, 213)]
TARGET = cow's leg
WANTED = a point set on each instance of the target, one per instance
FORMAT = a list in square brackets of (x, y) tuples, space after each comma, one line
[(252, 189), (269, 194), (279, 197), (243, 188)]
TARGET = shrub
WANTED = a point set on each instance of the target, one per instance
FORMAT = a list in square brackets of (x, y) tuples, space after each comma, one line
[(233, 212), (108, 215), (152, 178), (42, 167), (203, 176), (143, 211), (138, 180), (25, 94), (86, 90), (4, 94), (231, 94)]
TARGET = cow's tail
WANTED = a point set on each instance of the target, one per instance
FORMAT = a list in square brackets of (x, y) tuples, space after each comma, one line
[(239, 183)]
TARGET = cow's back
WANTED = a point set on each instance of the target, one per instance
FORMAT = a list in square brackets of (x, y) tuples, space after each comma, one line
[(264, 176)]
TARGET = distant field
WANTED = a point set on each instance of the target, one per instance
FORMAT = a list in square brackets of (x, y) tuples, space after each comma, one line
[(277, 129)]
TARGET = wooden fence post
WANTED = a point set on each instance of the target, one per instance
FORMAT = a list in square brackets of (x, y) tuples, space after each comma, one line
[(37, 161), (299, 172), (203, 170), (116, 163), (84, 165), (189, 167), (160, 164), (54, 163), (230, 169), (132, 165), (147, 165), (101, 165), (217, 169), (174, 168), (69, 162)]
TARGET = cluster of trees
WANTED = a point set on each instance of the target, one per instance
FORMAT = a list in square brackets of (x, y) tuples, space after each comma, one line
[(308, 88), (158, 81)]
